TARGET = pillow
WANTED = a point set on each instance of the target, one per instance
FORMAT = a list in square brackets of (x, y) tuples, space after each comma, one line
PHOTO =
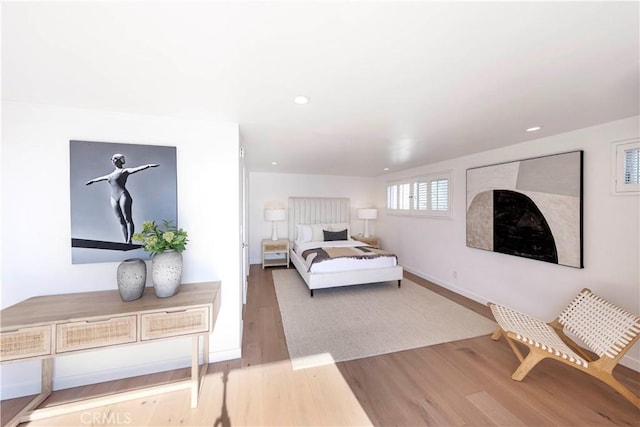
[(304, 233), (330, 236), (316, 232)]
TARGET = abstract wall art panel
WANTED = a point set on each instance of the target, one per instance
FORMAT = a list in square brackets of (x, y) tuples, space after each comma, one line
[(114, 188), (530, 208)]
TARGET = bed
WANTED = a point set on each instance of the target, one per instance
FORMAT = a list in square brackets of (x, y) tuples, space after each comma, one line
[(313, 218)]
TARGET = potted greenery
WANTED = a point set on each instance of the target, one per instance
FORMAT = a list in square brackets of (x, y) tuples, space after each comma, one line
[(165, 245)]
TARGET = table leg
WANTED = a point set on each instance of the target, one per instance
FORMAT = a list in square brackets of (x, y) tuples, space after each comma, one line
[(195, 371), (46, 387)]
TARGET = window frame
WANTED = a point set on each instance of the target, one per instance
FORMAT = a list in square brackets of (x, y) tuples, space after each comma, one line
[(417, 206), (618, 185)]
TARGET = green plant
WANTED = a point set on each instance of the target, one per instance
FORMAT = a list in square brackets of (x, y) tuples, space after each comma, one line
[(156, 240)]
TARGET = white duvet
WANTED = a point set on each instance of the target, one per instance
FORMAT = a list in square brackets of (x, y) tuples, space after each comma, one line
[(341, 264)]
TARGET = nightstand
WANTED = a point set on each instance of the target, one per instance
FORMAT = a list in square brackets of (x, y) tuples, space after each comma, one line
[(275, 252), (371, 240)]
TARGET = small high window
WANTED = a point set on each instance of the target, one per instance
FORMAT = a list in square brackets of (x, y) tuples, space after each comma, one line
[(626, 167), (632, 166), (428, 195)]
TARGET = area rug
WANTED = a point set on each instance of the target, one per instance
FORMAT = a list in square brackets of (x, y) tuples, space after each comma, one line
[(354, 322)]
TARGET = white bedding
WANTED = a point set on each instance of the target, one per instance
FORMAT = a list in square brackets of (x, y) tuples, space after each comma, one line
[(342, 264)]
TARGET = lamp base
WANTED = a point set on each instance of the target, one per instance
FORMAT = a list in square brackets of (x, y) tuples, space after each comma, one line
[(274, 231)]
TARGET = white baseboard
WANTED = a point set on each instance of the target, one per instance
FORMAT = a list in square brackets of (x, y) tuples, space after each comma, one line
[(221, 356), (628, 360), (10, 391), (631, 363), (443, 283), (14, 390)]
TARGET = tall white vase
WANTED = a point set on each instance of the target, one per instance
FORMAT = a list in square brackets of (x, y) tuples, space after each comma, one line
[(166, 273)]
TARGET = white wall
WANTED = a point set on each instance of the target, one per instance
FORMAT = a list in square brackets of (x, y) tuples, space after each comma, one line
[(36, 256), (274, 189), (436, 248)]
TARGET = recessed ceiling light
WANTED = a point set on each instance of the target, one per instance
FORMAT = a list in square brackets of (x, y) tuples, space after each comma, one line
[(274, 163), (301, 99), (534, 128), (386, 169)]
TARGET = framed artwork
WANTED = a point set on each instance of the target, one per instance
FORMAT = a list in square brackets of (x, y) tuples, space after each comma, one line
[(114, 188), (530, 208)]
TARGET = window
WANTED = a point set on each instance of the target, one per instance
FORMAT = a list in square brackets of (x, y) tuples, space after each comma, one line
[(428, 195), (398, 196), (420, 195), (625, 166), (440, 195), (404, 197), (631, 166)]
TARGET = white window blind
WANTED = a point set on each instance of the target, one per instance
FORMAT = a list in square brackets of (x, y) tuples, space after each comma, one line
[(625, 166), (392, 197), (440, 195), (632, 166), (428, 195), (420, 195), (404, 196), (399, 196)]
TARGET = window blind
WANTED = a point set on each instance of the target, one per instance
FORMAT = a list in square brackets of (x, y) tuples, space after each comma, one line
[(440, 195), (632, 166), (404, 196), (392, 197), (420, 195), (428, 195)]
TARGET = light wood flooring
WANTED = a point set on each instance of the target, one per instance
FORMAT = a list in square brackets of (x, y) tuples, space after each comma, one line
[(460, 383)]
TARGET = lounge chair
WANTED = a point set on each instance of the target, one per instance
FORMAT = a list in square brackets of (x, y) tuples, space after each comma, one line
[(607, 330)]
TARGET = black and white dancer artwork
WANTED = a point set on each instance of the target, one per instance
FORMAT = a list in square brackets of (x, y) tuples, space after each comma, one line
[(114, 188)]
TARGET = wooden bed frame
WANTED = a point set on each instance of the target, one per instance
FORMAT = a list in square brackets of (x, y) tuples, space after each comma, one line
[(329, 210)]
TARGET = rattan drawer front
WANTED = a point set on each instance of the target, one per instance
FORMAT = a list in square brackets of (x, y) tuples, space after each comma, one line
[(271, 247), (91, 334), (25, 343), (171, 324)]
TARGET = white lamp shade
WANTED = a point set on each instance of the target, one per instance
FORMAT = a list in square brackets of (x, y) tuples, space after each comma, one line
[(275, 214), (367, 213)]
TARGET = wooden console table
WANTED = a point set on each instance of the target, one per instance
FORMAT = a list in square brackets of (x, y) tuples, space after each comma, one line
[(47, 326)]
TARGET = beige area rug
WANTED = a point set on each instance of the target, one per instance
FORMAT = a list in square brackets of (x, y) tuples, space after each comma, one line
[(353, 322)]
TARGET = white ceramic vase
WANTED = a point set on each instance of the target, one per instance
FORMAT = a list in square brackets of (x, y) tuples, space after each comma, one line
[(166, 273), (132, 276)]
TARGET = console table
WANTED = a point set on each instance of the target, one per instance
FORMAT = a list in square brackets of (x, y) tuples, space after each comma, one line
[(47, 326)]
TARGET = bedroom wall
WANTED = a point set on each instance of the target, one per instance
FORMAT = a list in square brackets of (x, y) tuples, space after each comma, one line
[(436, 248), (36, 256), (274, 189)]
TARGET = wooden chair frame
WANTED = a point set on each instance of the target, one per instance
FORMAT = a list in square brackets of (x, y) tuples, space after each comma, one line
[(601, 357)]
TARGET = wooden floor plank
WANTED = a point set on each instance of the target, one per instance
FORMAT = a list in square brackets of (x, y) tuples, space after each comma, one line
[(331, 392), (497, 413)]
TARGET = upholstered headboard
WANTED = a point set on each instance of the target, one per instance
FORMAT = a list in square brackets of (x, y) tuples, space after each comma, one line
[(317, 210)]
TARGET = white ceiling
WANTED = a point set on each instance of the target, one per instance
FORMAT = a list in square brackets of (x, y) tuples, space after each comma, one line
[(392, 84)]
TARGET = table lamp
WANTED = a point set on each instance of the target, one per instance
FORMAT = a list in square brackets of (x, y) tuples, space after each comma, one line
[(367, 214), (274, 215)]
